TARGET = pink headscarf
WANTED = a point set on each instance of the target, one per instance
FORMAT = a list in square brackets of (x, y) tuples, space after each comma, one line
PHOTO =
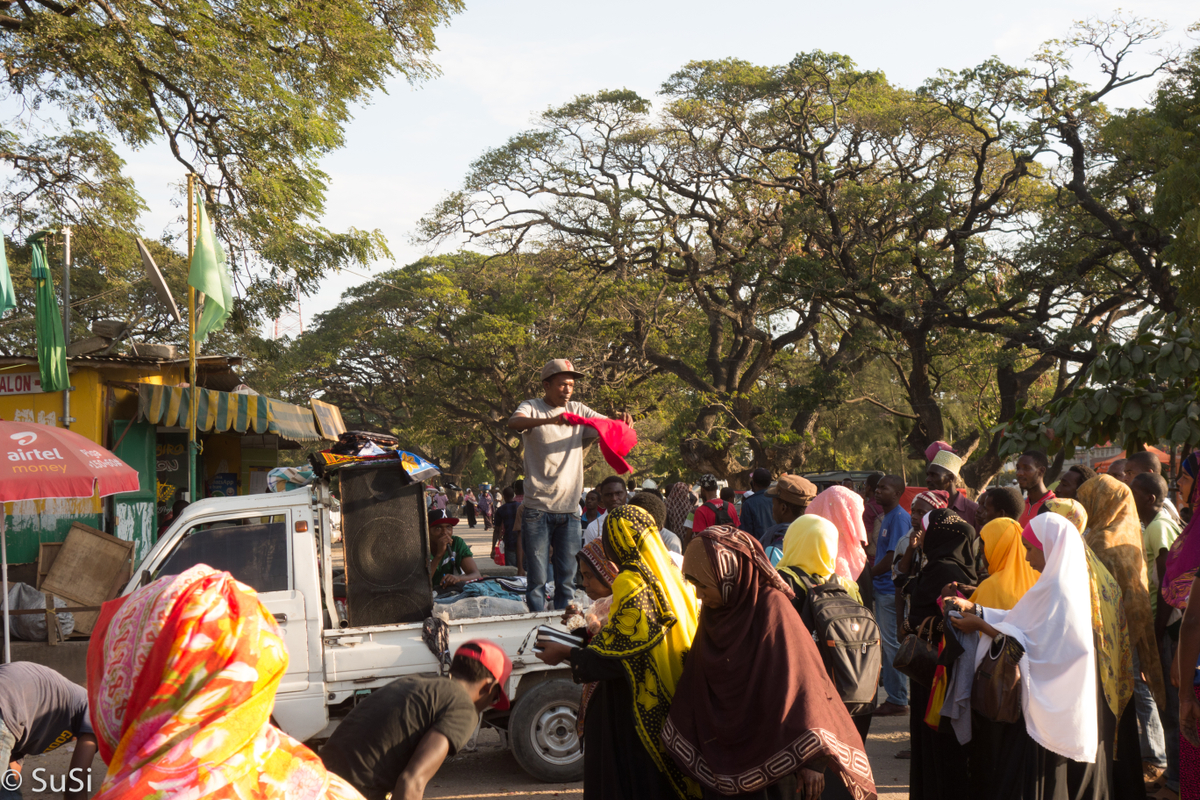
[(844, 508)]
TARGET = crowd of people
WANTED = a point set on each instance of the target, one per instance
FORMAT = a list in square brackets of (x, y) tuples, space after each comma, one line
[(1037, 637)]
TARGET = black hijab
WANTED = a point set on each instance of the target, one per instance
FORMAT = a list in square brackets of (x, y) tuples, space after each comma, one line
[(949, 557)]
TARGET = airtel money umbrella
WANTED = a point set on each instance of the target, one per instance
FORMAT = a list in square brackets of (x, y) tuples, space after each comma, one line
[(38, 462)]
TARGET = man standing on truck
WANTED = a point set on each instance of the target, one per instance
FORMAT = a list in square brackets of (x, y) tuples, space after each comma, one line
[(396, 738), (553, 482)]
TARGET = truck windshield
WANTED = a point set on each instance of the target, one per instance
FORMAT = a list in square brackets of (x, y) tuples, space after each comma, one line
[(254, 553)]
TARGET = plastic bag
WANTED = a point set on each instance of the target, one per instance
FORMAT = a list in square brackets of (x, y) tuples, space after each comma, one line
[(32, 627), (476, 607)]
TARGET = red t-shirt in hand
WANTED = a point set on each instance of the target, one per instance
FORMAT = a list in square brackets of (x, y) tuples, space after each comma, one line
[(1031, 509), (706, 515)]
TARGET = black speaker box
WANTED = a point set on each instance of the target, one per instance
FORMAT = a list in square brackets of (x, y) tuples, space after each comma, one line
[(386, 541)]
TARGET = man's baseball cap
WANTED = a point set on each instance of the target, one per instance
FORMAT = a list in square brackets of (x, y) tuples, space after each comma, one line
[(708, 481), (557, 366), (494, 659), (438, 516), (793, 489)]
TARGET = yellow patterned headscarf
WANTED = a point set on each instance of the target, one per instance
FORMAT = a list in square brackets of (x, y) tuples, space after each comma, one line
[(650, 628), (1009, 574), (1071, 509)]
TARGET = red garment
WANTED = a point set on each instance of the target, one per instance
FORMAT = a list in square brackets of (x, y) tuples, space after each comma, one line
[(616, 438), (706, 515), (1031, 509)]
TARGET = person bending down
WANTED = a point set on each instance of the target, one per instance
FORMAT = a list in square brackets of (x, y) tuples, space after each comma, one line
[(396, 739)]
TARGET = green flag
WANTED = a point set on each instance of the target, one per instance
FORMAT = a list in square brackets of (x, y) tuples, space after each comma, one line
[(8, 298), (210, 275), (52, 352)]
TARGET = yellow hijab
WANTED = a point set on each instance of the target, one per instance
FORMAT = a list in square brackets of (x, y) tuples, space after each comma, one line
[(811, 545), (650, 628), (1009, 574)]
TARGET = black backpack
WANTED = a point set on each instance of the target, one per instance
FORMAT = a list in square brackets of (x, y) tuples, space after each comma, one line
[(721, 514), (847, 637)]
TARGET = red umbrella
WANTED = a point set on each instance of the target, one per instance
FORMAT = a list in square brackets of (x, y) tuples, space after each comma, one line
[(38, 462)]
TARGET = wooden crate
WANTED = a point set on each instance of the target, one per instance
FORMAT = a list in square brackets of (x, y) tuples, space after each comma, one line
[(47, 552), (89, 569)]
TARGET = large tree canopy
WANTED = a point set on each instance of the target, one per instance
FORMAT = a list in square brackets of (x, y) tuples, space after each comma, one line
[(985, 229), (247, 95)]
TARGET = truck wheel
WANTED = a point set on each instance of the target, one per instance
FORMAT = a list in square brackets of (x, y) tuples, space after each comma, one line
[(542, 727)]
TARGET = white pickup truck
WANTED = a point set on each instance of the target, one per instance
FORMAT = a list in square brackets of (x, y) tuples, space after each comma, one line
[(280, 545)]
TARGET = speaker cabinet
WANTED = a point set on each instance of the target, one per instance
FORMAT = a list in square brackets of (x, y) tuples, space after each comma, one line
[(386, 541)]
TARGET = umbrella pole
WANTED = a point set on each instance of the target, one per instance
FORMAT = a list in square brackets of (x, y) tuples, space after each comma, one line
[(193, 395), (4, 582)]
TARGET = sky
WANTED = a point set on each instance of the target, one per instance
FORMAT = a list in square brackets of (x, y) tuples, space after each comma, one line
[(505, 61)]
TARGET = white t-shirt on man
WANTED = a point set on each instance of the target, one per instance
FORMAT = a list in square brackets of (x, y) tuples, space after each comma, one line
[(554, 457)]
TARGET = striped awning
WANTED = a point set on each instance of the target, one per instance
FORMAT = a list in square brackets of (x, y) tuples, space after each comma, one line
[(293, 422), (225, 411), (217, 411)]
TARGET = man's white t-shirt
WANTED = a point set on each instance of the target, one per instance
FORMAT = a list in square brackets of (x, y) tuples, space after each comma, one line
[(594, 529), (554, 457)]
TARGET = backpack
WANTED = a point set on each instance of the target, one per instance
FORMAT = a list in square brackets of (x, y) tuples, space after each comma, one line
[(847, 637), (721, 514)]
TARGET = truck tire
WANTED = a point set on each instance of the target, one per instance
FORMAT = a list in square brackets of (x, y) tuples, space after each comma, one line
[(542, 728)]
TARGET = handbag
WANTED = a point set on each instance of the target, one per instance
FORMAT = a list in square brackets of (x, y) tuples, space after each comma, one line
[(996, 690), (917, 656)]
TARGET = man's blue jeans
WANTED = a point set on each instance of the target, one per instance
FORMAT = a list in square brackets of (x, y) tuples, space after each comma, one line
[(1150, 729), (894, 683), (542, 530)]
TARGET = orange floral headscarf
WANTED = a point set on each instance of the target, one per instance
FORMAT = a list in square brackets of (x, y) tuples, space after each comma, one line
[(182, 677)]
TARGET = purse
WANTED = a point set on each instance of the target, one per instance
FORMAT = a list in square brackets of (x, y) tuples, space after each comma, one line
[(996, 690), (917, 656)]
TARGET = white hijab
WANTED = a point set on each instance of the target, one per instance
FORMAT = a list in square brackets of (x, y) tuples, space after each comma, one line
[(1053, 622)]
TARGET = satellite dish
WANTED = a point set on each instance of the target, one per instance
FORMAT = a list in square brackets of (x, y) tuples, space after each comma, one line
[(156, 278)]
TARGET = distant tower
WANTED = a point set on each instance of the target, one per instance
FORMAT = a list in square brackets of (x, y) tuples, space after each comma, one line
[(289, 322)]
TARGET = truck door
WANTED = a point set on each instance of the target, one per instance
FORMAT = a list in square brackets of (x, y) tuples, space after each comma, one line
[(257, 552)]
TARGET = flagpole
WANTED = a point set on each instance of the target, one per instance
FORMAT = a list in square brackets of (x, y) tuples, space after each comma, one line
[(193, 395)]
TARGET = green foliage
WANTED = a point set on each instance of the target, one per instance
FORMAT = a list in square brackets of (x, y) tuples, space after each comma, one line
[(248, 96), (1144, 390)]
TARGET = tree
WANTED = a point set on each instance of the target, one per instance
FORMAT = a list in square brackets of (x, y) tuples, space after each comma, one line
[(248, 96), (442, 352)]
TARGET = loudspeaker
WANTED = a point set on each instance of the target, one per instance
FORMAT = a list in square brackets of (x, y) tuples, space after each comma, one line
[(386, 541)]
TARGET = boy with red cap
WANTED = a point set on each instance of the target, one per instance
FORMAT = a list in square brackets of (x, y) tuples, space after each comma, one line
[(396, 739)]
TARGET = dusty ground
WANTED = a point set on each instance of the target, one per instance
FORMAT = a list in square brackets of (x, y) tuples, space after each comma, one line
[(490, 771)]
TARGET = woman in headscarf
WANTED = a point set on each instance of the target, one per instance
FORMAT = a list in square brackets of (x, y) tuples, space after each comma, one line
[(1009, 574), (1109, 627), (756, 715), (182, 677), (1183, 559), (597, 575), (809, 559), (1114, 658), (844, 508), (810, 550), (637, 657), (680, 502), (1055, 750), (1114, 533), (938, 769)]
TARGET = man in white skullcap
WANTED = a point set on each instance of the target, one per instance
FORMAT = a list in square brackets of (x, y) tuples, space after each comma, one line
[(943, 474)]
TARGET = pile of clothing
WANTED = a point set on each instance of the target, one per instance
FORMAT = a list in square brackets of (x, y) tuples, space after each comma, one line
[(357, 447)]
